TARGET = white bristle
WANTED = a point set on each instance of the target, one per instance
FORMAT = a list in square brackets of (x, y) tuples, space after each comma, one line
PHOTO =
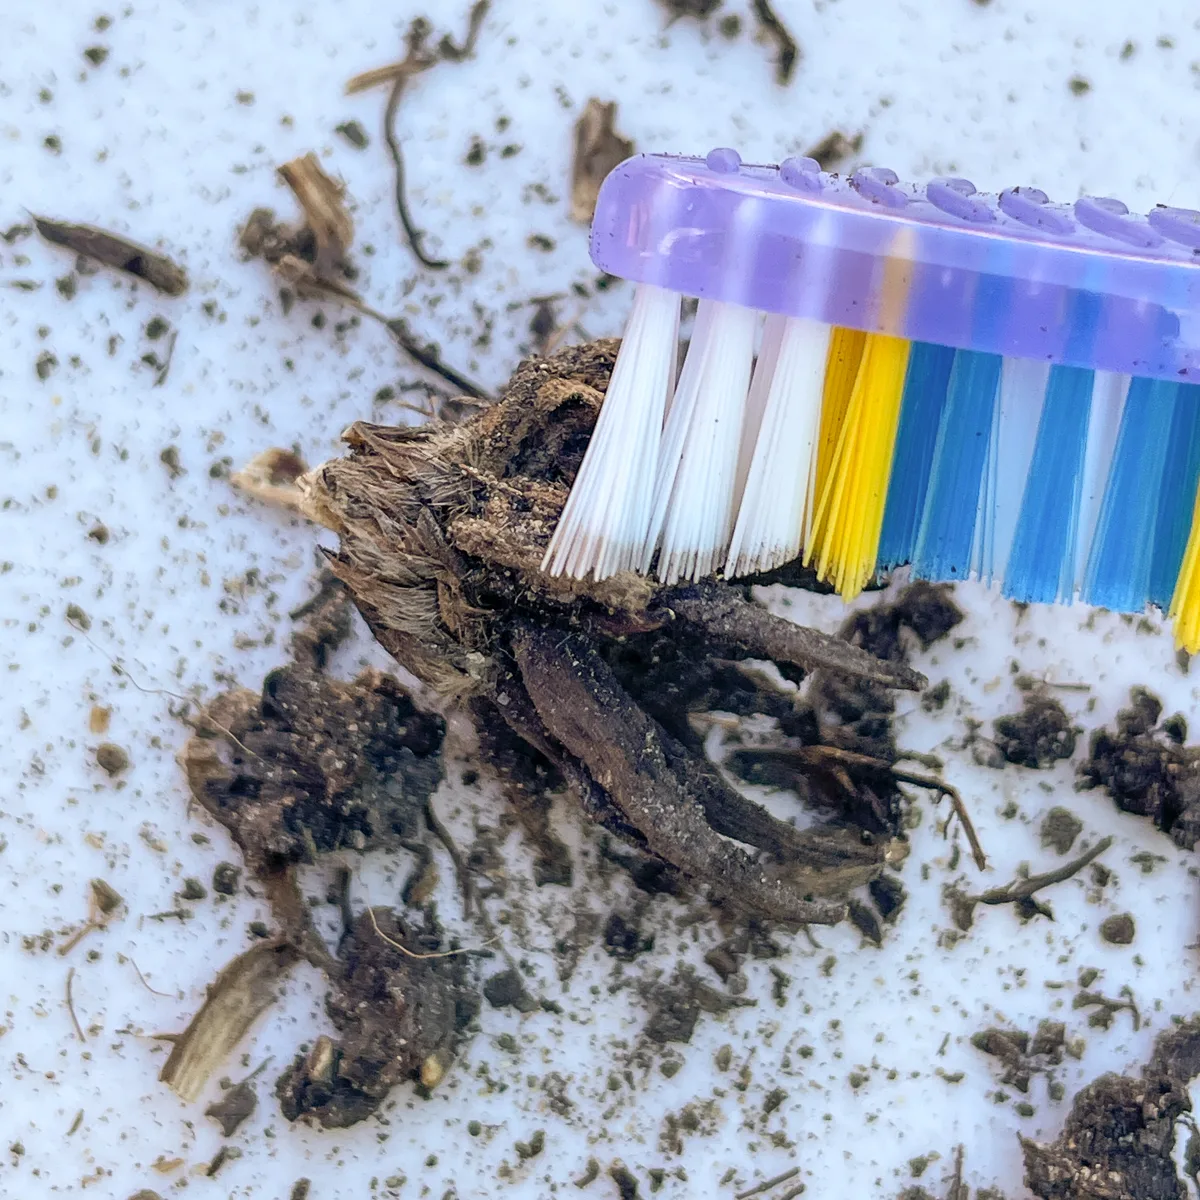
[(694, 492), (1108, 404), (783, 416), (604, 523)]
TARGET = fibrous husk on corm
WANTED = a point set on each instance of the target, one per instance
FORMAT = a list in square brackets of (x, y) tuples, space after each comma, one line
[(442, 532)]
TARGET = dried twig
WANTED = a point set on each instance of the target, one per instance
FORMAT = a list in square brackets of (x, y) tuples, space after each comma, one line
[(395, 945), (788, 49), (767, 1184), (1023, 889), (112, 250), (418, 58), (851, 758), (71, 1005)]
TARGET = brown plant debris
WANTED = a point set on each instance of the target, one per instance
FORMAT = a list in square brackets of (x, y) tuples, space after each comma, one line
[(112, 250), (419, 56), (598, 148), (306, 266), (1146, 770), (1022, 891), (400, 1017), (834, 148), (787, 49), (1119, 1139), (442, 531), (322, 199), (238, 996), (271, 477)]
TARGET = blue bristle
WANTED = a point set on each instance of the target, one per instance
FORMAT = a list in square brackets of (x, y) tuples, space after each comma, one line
[(1122, 553), (947, 531), (1041, 564), (920, 412), (1181, 476)]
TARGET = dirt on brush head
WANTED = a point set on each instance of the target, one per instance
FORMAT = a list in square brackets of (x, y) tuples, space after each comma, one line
[(1146, 770), (442, 533), (400, 1017)]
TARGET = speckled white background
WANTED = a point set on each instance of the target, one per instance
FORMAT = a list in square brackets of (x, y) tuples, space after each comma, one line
[(192, 590)]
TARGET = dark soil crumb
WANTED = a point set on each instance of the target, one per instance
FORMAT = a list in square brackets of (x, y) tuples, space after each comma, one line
[(234, 1107), (226, 878), (934, 698), (1118, 930), (111, 759), (623, 939), (1119, 1139), (889, 895), (1038, 736), (313, 765), (833, 148), (1060, 828), (354, 134), (192, 889), (627, 1185), (676, 1007), (507, 990), (1145, 771), (1078, 85), (1022, 1056), (700, 9), (400, 1016)]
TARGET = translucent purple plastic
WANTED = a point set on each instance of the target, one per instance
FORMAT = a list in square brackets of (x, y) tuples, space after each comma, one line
[(1089, 284)]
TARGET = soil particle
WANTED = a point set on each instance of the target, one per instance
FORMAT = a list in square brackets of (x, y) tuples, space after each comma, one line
[(507, 990), (598, 149), (313, 765), (226, 878), (1118, 930), (623, 939), (627, 1184), (111, 759), (1060, 828), (234, 1107), (1146, 771), (676, 1007), (889, 895), (1023, 1056), (1119, 1140), (400, 1014), (1038, 736)]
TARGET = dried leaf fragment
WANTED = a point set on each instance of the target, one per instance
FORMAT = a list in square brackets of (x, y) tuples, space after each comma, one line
[(323, 201), (237, 997), (272, 478), (598, 148), (112, 250)]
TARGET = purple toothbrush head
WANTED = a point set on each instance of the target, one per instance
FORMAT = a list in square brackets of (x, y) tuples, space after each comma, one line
[(1087, 285)]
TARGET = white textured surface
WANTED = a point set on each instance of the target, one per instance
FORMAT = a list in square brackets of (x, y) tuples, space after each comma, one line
[(192, 590)]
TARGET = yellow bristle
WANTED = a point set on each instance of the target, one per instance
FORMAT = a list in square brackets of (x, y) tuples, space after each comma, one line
[(841, 369), (849, 514), (1185, 603)]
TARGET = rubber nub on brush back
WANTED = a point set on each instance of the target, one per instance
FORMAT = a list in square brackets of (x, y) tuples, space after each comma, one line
[(1086, 285)]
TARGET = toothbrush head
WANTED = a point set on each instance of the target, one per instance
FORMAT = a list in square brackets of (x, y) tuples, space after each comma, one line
[(1087, 285)]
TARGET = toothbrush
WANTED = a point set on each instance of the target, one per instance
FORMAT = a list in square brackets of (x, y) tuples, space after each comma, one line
[(882, 374)]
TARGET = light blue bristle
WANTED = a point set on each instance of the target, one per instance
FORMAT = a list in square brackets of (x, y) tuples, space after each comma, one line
[(1041, 564), (947, 531), (1181, 476), (1122, 553), (920, 413)]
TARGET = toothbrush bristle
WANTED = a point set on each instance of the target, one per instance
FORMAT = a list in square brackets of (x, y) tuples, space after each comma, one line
[(779, 446), (694, 490), (603, 525), (849, 512)]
